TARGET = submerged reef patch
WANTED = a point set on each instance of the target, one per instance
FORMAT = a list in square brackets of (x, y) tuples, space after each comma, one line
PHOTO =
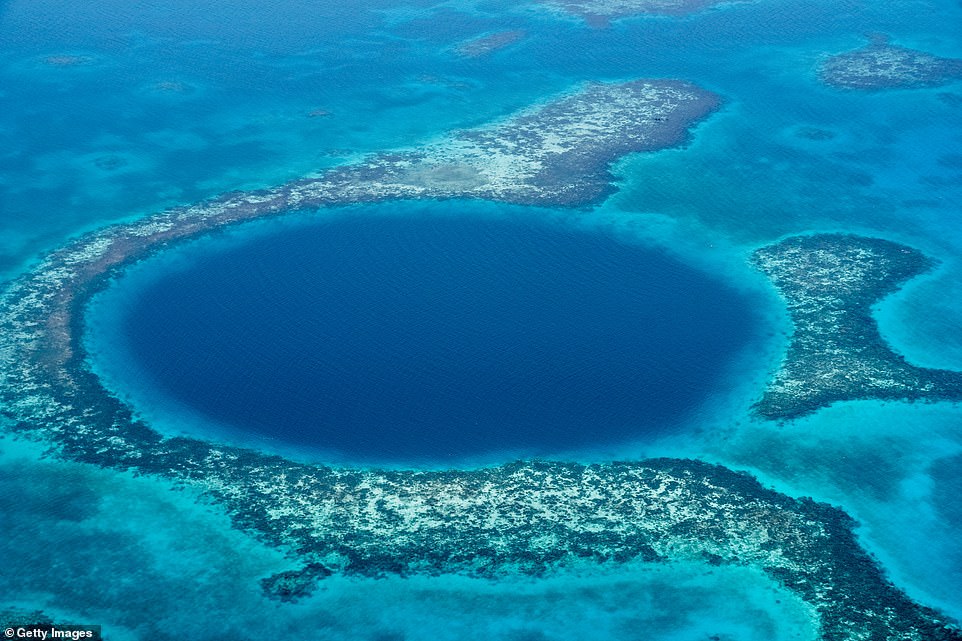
[(293, 585), (488, 44), (67, 60), (524, 518), (830, 283), (601, 12), (881, 65)]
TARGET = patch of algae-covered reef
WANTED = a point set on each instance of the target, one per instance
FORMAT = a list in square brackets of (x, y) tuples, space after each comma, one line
[(528, 517)]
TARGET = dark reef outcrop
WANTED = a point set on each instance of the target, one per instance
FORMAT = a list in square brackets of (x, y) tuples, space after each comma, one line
[(527, 517), (830, 283), (292, 585)]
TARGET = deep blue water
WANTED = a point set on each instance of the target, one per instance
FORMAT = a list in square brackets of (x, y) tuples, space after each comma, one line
[(446, 330)]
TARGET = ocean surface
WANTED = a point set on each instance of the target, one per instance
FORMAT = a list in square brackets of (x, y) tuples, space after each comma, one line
[(112, 110)]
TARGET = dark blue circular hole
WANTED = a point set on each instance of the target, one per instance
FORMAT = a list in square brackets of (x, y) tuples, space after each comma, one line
[(422, 337)]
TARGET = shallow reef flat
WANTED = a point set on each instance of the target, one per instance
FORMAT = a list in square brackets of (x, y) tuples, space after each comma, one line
[(881, 65), (830, 283), (556, 153), (524, 518)]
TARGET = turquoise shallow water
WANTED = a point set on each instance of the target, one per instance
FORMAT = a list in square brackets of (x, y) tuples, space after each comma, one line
[(171, 104)]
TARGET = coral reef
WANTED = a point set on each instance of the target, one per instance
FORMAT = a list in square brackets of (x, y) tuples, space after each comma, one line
[(830, 283), (881, 65)]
